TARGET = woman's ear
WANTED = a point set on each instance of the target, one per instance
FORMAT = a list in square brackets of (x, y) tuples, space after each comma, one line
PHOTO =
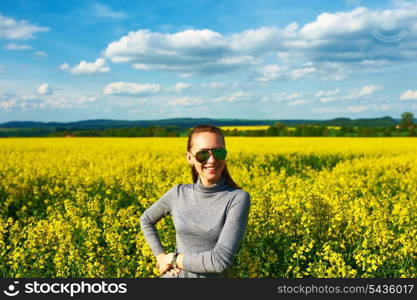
[(188, 157)]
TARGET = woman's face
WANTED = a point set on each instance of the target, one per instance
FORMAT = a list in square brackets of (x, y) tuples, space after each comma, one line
[(211, 170)]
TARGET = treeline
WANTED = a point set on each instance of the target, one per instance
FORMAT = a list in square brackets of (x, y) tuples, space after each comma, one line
[(405, 127), (278, 129), (152, 131), (306, 130)]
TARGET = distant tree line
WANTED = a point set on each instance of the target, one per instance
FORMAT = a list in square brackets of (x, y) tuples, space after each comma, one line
[(151, 131), (405, 128), (305, 130)]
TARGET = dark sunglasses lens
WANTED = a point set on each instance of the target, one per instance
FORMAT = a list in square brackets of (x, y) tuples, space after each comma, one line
[(202, 156), (220, 153)]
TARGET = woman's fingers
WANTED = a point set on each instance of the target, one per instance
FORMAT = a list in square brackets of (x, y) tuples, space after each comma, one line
[(163, 267), (175, 271), (163, 264)]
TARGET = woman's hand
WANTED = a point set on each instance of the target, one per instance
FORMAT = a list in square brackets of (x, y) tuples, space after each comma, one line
[(174, 271), (163, 262)]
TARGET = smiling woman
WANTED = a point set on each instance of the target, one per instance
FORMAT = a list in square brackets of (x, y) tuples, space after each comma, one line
[(210, 215)]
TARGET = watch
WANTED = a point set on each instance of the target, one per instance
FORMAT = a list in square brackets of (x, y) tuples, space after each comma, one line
[(174, 260)]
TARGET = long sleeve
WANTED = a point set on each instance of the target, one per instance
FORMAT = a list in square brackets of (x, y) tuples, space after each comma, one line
[(151, 216), (222, 256)]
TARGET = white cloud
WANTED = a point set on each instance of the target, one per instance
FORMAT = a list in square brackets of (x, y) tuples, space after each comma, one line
[(185, 101), (331, 24), (385, 107), (344, 36), (332, 42), (2, 69), (7, 101), (354, 108), (282, 97), (8, 105), (97, 67), (364, 92), (57, 103), (328, 99), (262, 40), (327, 93), (10, 101), (274, 72), (293, 96), (302, 72), (213, 85), (234, 97), (67, 103), (333, 71), (297, 102), (12, 29), (188, 52), (409, 95), (270, 72), (87, 99), (44, 89), (40, 53), (131, 89), (331, 30), (180, 86), (103, 11), (374, 63), (14, 46), (64, 66), (369, 89), (5, 96), (141, 67), (145, 46)]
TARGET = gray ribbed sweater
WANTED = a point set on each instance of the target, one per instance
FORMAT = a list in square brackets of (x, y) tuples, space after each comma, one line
[(209, 222)]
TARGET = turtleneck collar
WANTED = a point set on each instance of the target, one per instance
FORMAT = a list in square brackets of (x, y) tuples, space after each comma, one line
[(219, 186)]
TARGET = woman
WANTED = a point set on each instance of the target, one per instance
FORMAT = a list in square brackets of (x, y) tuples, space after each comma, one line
[(209, 216)]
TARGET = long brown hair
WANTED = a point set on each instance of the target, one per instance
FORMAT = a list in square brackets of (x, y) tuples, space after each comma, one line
[(213, 129)]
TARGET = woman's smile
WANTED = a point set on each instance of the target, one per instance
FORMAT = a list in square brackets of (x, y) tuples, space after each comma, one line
[(211, 169)]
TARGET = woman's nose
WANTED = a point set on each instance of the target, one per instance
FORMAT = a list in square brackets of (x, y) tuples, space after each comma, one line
[(211, 158)]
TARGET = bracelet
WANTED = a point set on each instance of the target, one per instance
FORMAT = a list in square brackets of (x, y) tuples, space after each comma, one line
[(174, 260)]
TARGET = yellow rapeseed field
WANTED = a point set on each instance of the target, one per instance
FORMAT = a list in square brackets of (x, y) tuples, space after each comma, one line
[(241, 128), (321, 207)]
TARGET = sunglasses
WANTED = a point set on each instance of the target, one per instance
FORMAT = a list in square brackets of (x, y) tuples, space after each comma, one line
[(203, 155)]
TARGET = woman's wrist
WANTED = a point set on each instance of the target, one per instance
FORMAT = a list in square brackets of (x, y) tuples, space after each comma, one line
[(180, 259), (166, 258)]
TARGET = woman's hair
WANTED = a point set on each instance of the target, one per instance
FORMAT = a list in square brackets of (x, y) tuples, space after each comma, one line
[(213, 129)]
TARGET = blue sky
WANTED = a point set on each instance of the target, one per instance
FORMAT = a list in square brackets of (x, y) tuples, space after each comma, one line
[(141, 60)]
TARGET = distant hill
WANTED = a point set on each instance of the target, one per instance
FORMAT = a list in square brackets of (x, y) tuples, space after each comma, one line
[(103, 124), (191, 122)]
